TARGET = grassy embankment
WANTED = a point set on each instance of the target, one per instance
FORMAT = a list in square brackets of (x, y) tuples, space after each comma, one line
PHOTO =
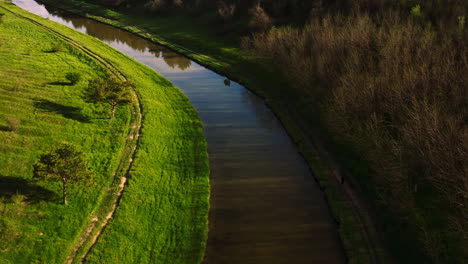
[(178, 32), (167, 193)]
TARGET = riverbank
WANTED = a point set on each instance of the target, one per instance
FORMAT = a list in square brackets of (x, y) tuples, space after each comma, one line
[(44, 231), (355, 222)]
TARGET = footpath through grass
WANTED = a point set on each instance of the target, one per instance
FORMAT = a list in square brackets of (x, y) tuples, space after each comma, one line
[(163, 213)]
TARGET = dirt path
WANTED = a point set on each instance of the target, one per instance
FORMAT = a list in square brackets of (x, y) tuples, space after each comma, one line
[(105, 211)]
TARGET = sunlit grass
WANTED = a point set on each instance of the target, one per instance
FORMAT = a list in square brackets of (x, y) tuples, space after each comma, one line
[(163, 213), (34, 90)]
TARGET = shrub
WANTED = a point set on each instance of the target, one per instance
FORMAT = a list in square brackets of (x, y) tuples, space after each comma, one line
[(13, 123), (155, 5), (178, 3), (73, 77), (57, 48), (19, 199), (259, 19), (226, 11)]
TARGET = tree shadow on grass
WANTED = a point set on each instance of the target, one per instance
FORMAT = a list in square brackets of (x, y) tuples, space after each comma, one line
[(10, 186), (61, 83), (66, 111)]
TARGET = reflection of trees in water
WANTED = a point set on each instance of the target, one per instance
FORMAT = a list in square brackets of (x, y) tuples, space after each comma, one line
[(171, 58), (264, 116), (111, 34), (107, 33)]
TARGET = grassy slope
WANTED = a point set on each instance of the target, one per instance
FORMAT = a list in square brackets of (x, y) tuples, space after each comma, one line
[(165, 204), (49, 113), (224, 56)]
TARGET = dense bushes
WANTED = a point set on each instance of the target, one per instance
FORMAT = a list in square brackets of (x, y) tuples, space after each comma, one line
[(73, 77), (394, 90), (259, 19)]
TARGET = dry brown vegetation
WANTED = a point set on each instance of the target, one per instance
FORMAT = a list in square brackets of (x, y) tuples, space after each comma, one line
[(395, 90), (259, 19), (226, 11), (161, 5), (13, 123), (155, 5)]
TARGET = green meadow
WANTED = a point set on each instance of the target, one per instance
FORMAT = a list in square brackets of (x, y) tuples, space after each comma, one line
[(162, 216)]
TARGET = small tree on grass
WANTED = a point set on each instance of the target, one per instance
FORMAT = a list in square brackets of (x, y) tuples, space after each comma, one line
[(111, 91), (65, 163)]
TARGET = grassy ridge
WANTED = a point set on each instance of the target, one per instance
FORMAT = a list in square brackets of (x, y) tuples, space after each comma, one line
[(168, 183)]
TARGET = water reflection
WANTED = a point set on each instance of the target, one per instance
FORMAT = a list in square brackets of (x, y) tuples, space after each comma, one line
[(121, 37), (263, 114), (171, 58), (110, 35)]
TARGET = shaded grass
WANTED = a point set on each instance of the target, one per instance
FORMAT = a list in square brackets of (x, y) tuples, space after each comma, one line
[(168, 181), (69, 112)]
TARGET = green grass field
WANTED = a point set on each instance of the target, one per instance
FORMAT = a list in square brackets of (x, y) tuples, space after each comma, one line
[(162, 216)]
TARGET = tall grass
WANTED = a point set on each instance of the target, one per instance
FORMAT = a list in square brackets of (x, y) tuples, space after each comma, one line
[(394, 90)]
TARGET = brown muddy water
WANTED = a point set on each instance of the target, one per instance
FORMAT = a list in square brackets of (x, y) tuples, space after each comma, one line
[(265, 205)]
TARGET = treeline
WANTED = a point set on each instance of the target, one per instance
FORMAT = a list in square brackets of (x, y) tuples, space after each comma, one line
[(397, 93), (389, 79), (440, 12)]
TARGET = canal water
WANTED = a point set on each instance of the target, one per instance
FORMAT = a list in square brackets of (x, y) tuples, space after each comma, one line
[(265, 205)]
